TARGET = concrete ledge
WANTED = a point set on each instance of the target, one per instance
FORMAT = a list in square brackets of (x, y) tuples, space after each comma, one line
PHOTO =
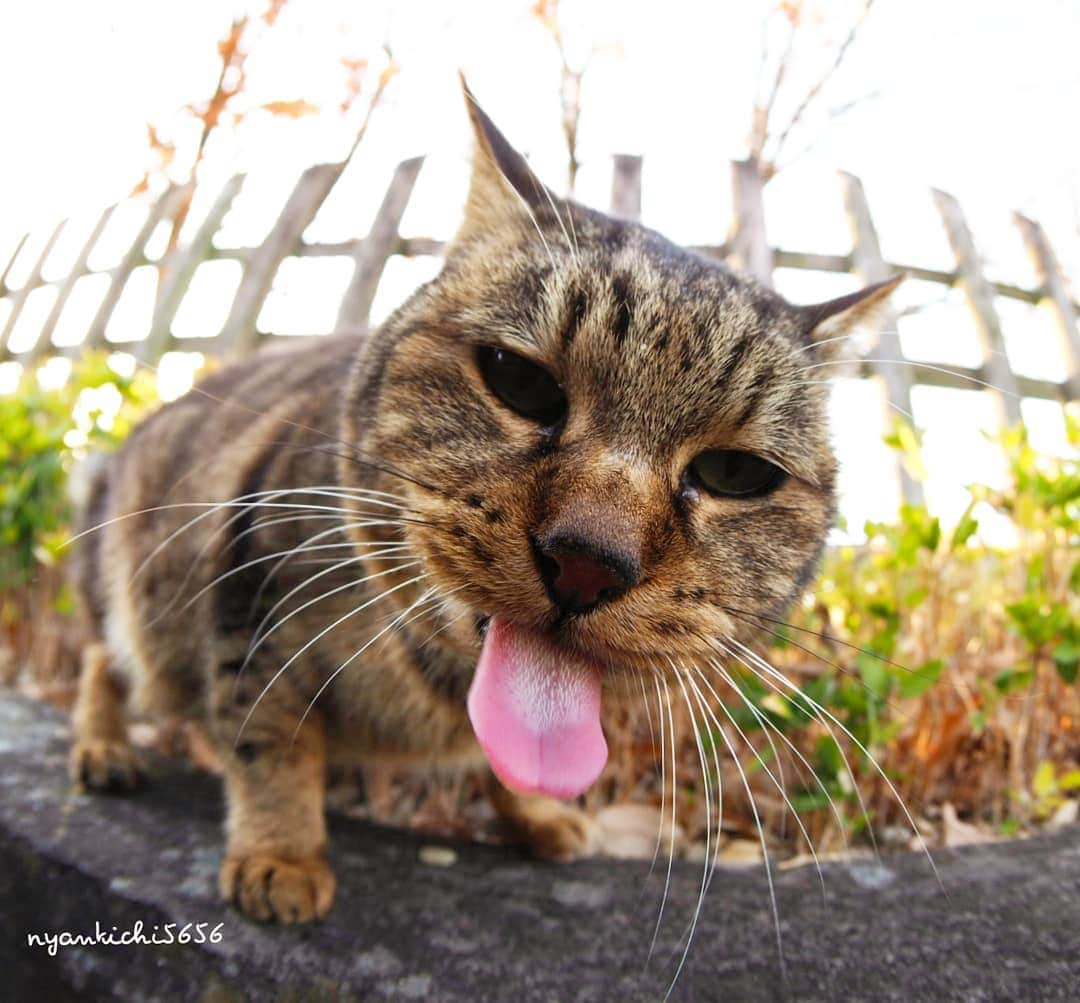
[(494, 926)]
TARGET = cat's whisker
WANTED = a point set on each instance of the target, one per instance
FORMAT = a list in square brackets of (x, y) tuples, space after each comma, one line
[(365, 549), (777, 758), (237, 501), (919, 365), (706, 786), (807, 705), (901, 411), (441, 611), (862, 748), (260, 637), (343, 527), (239, 569), (212, 509), (155, 508), (764, 851), (751, 618), (426, 597), (204, 549), (652, 747), (208, 544), (571, 245), (719, 788), (869, 334), (777, 782), (663, 775), (431, 608), (766, 725), (540, 233), (318, 637), (273, 521), (674, 799)]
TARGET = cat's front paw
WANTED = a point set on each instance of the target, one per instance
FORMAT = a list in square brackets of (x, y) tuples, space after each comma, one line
[(564, 835), (104, 765), (273, 889), (550, 829)]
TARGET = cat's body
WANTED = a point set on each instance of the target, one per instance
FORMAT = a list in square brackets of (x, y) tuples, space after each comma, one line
[(550, 438)]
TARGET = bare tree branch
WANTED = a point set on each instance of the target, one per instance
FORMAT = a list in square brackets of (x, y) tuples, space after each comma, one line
[(763, 109), (814, 91), (835, 114), (570, 79)]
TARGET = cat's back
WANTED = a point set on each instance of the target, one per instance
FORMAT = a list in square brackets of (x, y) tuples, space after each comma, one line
[(161, 507)]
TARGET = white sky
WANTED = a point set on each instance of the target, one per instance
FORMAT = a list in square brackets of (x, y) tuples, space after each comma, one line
[(976, 98)]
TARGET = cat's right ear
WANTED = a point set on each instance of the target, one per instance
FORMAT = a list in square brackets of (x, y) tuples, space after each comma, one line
[(826, 325), (503, 191)]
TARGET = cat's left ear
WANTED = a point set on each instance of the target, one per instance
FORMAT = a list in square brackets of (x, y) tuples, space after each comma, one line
[(832, 320), (503, 190)]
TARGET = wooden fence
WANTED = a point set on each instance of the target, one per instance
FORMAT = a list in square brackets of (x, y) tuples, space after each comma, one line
[(746, 247)]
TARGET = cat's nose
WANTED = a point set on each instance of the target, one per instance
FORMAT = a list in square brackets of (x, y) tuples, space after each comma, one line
[(580, 573)]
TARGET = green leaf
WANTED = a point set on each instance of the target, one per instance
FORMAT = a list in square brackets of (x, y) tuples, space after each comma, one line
[(965, 528), (918, 681), (811, 800), (1043, 782), (760, 758), (1069, 781), (1011, 680), (916, 596), (1067, 660), (875, 675)]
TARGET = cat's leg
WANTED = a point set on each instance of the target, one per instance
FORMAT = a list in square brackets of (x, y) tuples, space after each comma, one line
[(275, 785), (101, 755), (551, 829)]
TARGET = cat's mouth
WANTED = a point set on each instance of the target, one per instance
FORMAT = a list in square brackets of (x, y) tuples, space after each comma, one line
[(534, 704)]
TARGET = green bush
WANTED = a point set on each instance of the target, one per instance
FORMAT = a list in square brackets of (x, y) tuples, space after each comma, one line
[(45, 432)]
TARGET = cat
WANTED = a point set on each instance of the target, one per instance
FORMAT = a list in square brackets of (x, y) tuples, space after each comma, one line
[(577, 461)]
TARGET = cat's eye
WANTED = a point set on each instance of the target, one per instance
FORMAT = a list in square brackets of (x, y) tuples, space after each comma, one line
[(521, 385), (731, 473)]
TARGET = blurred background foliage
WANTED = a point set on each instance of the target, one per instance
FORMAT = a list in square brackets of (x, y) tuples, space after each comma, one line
[(56, 416)]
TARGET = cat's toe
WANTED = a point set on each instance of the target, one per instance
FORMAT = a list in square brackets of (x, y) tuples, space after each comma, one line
[(559, 832), (104, 765), (274, 889)]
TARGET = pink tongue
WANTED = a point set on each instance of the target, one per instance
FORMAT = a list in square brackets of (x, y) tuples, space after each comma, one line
[(535, 707)]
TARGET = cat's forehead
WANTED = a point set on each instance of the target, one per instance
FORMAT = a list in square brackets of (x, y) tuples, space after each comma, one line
[(661, 344)]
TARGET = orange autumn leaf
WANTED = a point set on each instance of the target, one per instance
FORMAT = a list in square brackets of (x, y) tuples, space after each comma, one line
[(291, 109), (273, 10), (390, 71)]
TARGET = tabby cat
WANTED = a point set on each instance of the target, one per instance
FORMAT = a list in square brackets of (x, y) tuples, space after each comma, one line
[(568, 470)]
